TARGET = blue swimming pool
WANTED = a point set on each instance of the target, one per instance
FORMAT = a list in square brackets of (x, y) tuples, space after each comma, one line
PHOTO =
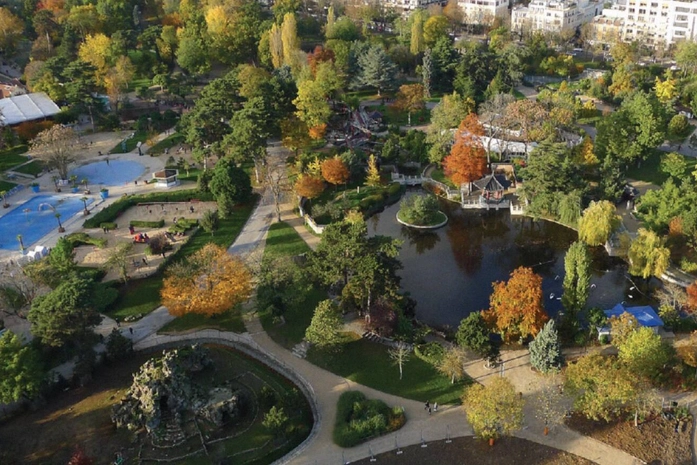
[(116, 173), (36, 218)]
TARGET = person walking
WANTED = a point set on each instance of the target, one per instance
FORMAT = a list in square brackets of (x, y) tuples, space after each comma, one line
[(427, 405), (435, 406)]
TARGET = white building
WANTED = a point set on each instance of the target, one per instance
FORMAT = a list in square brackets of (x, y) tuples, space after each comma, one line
[(657, 23), (554, 15), (407, 5), (483, 11)]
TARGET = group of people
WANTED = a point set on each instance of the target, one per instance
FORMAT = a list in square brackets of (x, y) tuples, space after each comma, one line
[(141, 238), (427, 406)]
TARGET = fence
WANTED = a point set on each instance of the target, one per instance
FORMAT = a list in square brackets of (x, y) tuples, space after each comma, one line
[(316, 228)]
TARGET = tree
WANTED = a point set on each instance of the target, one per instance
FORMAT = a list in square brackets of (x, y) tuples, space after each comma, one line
[(598, 222), (529, 116), (11, 30), (549, 403), (119, 259), (435, 27), (686, 56), (645, 354), (54, 146), (97, 50), (545, 350), (334, 171), (62, 257), (311, 104), (21, 370), (118, 346), (294, 134), (621, 327), (601, 387), (209, 221), (666, 90), (448, 114), (373, 177), (208, 282), (290, 41), (417, 44), (193, 53), (65, 314), (473, 334), (648, 255), (325, 327), (577, 277), (400, 355), (275, 420), (674, 165), (410, 98), (247, 139), (586, 154), (230, 185), (453, 364), (493, 410), (375, 69), (467, 160), (118, 78), (309, 187), (516, 309)]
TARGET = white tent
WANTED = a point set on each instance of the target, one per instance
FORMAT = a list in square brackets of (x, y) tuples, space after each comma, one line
[(27, 107)]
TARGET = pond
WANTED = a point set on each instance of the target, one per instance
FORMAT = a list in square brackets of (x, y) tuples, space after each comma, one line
[(449, 271)]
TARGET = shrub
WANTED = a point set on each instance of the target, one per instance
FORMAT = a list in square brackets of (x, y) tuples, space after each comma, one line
[(108, 225), (183, 225), (420, 210), (77, 239), (431, 352), (158, 244), (359, 419), (678, 125), (118, 346), (147, 224)]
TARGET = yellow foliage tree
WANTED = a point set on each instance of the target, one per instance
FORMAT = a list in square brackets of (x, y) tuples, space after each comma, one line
[(586, 152), (493, 410), (276, 46), (209, 282), (291, 43), (373, 177), (96, 50), (666, 90)]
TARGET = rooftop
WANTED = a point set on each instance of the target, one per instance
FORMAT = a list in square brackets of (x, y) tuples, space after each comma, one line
[(645, 315), (27, 107)]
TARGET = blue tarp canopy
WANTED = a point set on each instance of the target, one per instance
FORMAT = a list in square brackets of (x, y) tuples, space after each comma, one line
[(646, 316)]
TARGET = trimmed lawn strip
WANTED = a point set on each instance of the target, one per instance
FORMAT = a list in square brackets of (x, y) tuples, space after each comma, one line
[(33, 168), (228, 321), (282, 240), (131, 142), (13, 157), (439, 175), (167, 143), (370, 364), (143, 295), (6, 186)]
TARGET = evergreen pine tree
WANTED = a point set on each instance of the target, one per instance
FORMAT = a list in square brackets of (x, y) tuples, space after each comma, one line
[(545, 350), (376, 69)]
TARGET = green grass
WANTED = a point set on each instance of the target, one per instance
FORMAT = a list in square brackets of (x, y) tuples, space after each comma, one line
[(518, 94), (12, 157), (139, 82), (281, 241), (6, 186), (143, 295), (167, 143), (33, 168), (131, 143), (394, 116), (228, 321), (369, 364), (439, 176), (650, 169)]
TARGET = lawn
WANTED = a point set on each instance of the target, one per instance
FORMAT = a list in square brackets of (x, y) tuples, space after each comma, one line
[(143, 295), (439, 175), (131, 142), (33, 168), (228, 321), (282, 240), (518, 95), (650, 169), (370, 364), (167, 143), (12, 157), (6, 186), (401, 118)]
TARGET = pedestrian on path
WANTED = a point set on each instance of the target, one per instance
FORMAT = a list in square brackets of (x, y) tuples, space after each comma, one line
[(429, 410), (145, 261), (427, 405), (130, 330), (435, 406)]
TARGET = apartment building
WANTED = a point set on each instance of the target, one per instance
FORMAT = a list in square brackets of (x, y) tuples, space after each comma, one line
[(657, 23), (406, 5), (483, 11), (554, 15)]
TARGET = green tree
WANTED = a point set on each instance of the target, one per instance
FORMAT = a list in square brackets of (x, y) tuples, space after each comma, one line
[(493, 410), (249, 131), (65, 314), (410, 98), (648, 255), (375, 69), (674, 165), (325, 328), (448, 114), (62, 257), (417, 43), (602, 388), (193, 53), (473, 334), (435, 28), (545, 350), (598, 222), (119, 259), (230, 185), (275, 420), (209, 221), (118, 346), (577, 278), (645, 354), (311, 103), (21, 370)]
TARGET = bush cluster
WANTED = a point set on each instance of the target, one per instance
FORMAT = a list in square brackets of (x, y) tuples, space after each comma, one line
[(147, 224), (431, 352), (359, 419)]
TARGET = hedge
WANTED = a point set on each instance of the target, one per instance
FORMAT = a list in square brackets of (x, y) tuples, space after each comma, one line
[(183, 225), (78, 239), (108, 225), (110, 213), (431, 352), (359, 419), (147, 224)]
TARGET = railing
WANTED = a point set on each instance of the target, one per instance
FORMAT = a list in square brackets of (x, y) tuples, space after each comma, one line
[(309, 221)]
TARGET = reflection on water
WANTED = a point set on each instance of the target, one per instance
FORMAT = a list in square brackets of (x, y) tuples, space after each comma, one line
[(450, 271)]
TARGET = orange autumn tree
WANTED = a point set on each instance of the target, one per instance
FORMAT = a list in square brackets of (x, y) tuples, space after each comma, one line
[(515, 307), (319, 55), (692, 297), (467, 159), (209, 282), (334, 171), (309, 186)]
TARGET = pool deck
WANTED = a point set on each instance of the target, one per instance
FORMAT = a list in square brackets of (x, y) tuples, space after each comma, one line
[(74, 223)]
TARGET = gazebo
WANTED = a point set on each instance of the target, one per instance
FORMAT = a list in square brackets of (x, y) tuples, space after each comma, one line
[(492, 187), (166, 178)]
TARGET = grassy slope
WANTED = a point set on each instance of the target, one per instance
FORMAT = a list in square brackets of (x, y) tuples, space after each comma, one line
[(650, 169), (12, 157)]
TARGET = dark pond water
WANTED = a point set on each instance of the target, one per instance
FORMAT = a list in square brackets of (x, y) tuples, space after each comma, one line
[(449, 271)]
